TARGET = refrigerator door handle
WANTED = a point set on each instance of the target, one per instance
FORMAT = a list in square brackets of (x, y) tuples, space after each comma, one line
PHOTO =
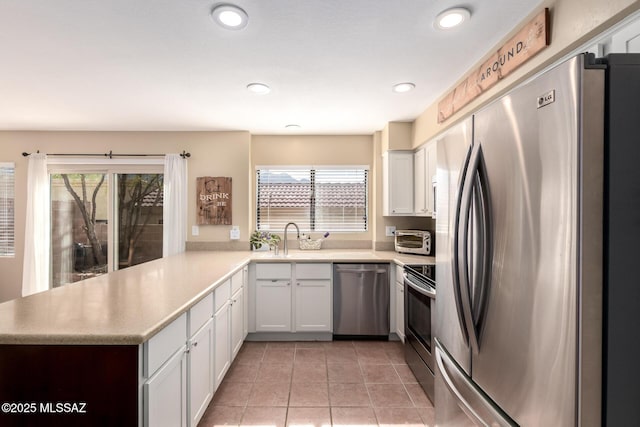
[(482, 247), (459, 268), (463, 247), (469, 397)]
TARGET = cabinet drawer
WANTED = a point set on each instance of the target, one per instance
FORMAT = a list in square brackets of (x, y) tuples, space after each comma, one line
[(200, 313), (313, 271), (165, 343), (222, 294), (273, 271), (236, 281)]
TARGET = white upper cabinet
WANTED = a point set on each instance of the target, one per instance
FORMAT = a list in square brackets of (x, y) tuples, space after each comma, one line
[(397, 183), (627, 40), (420, 205), (424, 161)]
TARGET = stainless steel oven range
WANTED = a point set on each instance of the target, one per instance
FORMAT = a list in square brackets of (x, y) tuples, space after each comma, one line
[(419, 313)]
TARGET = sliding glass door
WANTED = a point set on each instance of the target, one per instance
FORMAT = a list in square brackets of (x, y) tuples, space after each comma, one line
[(79, 226), (103, 221), (139, 218)]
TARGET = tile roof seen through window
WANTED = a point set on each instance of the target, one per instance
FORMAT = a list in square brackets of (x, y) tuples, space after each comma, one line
[(150, 199), (282, 195)]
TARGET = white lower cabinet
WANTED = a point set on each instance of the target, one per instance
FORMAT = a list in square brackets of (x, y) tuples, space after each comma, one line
[(229, 324), (185, 362), (399, 291), (245, 302), (165, 393), (400, 311), (238, 303), (201, 376), (273, 305), (237, 322), (284, 307), (222, 321), (222, 352), (165, 367), (313, 305)]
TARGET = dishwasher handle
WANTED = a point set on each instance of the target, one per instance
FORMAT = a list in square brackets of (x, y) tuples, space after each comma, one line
[(361, 270)]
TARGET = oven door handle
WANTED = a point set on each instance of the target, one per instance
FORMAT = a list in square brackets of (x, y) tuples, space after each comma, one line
[(426, 292)]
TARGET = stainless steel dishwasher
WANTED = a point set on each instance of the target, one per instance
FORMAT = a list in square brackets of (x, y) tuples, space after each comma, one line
[(361, 301)]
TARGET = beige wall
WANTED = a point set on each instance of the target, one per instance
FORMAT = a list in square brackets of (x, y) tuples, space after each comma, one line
[(397, 136), (573, 23), (212, 153)]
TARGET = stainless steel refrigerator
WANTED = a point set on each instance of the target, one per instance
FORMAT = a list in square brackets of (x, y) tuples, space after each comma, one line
[(520, 256)]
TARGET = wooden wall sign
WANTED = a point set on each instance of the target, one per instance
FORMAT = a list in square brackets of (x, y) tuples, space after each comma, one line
[(214, 200), (523, 46)]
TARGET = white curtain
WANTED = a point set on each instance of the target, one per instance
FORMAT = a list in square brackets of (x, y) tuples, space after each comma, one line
[(174, 205), (35, 270)]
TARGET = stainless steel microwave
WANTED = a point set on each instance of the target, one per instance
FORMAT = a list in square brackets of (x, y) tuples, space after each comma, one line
[(414, 242)]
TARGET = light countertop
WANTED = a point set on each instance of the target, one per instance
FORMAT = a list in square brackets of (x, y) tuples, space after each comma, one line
[(127, 307), (342, 255)]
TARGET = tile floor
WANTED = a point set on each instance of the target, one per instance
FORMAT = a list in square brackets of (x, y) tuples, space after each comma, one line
[(313, 384)]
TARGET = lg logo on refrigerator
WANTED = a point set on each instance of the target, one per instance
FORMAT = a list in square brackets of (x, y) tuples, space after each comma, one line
[(547, 98)]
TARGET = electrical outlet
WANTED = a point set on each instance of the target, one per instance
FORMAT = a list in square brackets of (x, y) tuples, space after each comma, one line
[(195, 230), (390, 230), (234, 233)]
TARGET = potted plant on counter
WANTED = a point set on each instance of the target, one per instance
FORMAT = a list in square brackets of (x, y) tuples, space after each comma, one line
[(263, 240)]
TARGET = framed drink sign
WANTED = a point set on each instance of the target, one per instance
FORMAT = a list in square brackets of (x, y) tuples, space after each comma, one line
[(214, 200)]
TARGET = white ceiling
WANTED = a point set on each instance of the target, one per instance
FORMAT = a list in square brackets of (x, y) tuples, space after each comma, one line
[(165, 65)]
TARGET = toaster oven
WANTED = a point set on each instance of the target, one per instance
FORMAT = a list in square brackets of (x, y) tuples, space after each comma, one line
[(414, 242)]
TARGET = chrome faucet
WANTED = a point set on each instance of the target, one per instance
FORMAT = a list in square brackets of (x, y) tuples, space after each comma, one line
[(286, 248)]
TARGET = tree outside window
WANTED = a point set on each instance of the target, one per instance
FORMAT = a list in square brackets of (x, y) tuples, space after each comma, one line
[(81, 218)]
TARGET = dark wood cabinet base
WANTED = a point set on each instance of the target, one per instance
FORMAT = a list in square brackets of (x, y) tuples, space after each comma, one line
[(68, 385)]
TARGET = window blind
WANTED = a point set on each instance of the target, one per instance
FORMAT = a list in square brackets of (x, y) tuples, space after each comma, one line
[(7, 210), (316, 198)]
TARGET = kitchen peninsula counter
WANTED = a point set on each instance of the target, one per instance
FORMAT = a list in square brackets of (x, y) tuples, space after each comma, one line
[(128, 307), (123, 347)]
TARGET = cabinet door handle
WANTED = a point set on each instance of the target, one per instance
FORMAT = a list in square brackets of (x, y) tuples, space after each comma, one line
[(288, 283), (195, 343), (298, 284)]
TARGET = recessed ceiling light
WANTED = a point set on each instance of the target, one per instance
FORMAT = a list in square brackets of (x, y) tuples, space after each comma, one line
[(259, 88), (230, 17), (292, 126), (403, 87), (452, 18)]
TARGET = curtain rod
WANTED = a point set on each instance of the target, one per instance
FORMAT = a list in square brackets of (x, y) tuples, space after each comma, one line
[(111, 155)]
